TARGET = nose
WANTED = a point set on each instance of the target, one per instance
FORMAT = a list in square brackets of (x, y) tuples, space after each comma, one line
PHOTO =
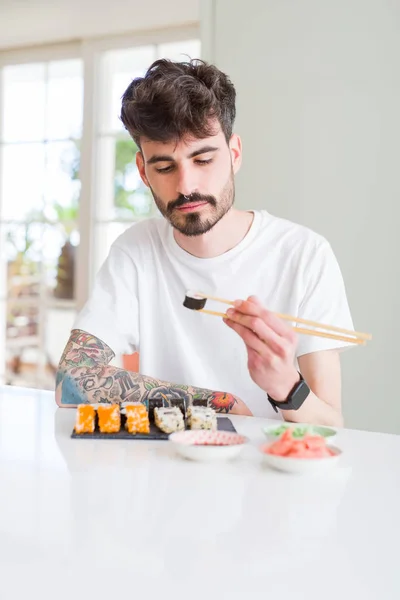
[(186, 183)]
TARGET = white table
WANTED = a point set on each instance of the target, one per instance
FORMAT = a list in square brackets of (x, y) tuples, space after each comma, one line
[(96, 519)]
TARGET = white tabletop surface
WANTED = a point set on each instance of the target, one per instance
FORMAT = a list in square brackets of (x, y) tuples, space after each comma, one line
[(96, 519)]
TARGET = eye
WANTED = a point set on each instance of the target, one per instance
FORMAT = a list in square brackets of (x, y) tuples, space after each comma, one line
[(165, 169), (203, 162)]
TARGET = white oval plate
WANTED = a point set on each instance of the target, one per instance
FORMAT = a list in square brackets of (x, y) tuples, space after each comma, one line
[(301, 465), (206, 445)]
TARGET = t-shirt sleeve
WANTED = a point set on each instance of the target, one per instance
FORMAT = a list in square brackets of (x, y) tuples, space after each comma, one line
[(324, 300), (111, 313)]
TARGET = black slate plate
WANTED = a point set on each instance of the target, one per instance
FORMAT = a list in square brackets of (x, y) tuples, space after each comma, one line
[(224, 424)]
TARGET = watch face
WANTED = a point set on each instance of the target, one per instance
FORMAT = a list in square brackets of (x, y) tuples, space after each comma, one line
[(298, 395)]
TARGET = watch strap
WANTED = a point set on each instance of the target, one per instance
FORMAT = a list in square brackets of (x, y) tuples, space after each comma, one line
[(287, 404)]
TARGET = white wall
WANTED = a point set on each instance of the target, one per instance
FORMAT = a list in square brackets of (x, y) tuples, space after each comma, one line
[(319, 112), (46, 21)]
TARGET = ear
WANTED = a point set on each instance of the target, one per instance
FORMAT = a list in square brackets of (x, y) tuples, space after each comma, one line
[(141, 168), (235, 147)]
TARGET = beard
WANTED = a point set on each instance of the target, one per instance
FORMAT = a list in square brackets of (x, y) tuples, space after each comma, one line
[(193, 223)]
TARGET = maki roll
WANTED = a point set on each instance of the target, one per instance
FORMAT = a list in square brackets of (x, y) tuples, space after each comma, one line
[(154, 403), (109, 418), (202, 417), (137, 418), (200, 402), (169, 420), (85, 418), (164, 401), (179, 403), (194, 301)]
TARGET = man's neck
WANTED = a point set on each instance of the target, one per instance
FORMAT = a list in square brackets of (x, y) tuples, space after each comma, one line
[(224, 236)]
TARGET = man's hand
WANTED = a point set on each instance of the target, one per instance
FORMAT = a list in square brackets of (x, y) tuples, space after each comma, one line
[(271, 347)]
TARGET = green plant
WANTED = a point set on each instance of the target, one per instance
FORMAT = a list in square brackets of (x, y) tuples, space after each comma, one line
[(67, 216), (125, 166), (21, 238)]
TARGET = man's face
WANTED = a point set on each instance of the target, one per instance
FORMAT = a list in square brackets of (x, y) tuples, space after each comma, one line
[(192, 181)]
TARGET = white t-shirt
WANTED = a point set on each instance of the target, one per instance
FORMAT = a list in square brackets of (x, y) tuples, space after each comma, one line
[(137, 301)]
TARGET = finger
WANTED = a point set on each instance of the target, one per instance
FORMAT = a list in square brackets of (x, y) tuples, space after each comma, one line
[(255, 300), (268, 336), (253, 307), (256, 362), (252, 340), (249, 337), (276, 323)]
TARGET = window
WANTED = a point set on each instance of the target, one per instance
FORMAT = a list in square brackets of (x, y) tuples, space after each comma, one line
[(121, 196), (68, 187), (39, 145)]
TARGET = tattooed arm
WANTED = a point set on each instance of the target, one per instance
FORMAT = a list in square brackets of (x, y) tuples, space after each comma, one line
[(84, 375)]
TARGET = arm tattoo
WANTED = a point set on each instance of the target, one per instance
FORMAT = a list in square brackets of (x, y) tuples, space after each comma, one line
[(84, 376), (222, 401)]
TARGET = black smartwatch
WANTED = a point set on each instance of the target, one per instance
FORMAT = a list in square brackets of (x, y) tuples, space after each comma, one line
[(295, 399)]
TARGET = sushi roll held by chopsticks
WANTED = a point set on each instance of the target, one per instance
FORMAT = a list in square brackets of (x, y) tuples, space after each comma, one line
[(197, 301), (194, 301)]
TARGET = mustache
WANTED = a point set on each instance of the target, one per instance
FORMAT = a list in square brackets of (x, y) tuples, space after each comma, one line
[(195, 197)]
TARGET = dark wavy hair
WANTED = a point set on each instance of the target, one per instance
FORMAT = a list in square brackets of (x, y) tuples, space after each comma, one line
[(174, 99)]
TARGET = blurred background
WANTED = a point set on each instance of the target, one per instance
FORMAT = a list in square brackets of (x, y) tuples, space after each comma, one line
[(69, 184), (318, 86)]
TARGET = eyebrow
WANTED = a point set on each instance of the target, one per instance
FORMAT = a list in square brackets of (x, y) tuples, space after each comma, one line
[(167, 158)]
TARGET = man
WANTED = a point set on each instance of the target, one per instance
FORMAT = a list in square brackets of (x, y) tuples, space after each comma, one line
[(181, 116)]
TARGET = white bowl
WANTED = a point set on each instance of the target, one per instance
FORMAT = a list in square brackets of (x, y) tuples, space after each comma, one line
[(301, 465), (273, 433), (206, 445)]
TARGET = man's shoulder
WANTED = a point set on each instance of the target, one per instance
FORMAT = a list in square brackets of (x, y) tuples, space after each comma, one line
[(140, 235), (290, 233)]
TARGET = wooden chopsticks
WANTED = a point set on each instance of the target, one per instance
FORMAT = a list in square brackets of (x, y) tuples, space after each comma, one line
[(343, 335)]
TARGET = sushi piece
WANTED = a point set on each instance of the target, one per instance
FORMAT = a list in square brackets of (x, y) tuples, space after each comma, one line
[(153, 403), (200, 402), (137, 418), (194, 301), (85, 418), (162, 401), (109, 418), (169, 420), (202, 417), (179, 403)]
